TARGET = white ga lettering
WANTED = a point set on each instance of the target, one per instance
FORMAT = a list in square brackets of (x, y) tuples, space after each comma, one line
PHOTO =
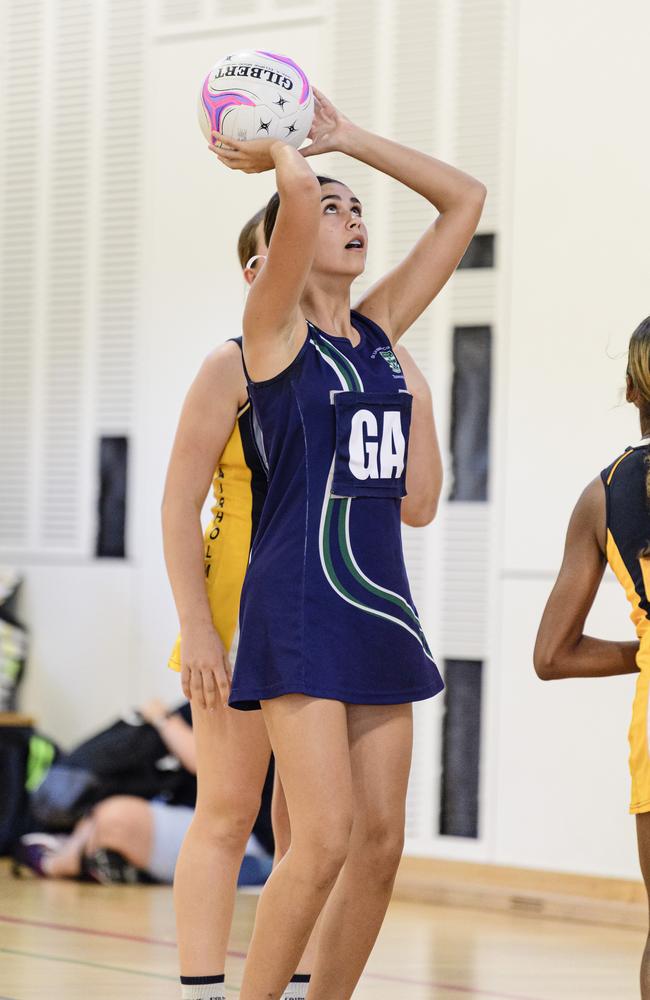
[(372, 457)]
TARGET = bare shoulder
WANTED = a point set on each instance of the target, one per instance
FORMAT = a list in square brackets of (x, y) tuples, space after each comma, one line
[(592, 499), (222, 370), (590, 513)]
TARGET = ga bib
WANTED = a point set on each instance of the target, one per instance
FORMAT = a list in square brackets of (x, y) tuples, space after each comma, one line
[(372, 432)]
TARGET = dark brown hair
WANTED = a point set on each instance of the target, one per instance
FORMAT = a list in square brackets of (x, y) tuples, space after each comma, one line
[(638, 360), (247, 242), (271, 212)]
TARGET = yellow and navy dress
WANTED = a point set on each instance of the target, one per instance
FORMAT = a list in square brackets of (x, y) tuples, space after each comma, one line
[(239, 489), (628, 554)]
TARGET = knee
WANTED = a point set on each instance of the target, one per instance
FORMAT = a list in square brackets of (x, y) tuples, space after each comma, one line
[(381, 849), (325, 850), (225, 823), (327, 862)]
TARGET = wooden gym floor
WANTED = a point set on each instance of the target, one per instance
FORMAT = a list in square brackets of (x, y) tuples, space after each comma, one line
[(71, 941)]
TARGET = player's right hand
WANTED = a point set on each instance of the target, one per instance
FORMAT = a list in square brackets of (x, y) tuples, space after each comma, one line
[(252, 157), (205, 668)]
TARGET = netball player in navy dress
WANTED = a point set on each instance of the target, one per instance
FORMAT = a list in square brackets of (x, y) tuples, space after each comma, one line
[(331, 644)]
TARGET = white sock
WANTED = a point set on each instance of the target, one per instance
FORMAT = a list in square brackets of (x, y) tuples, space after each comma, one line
[(203, 988), (297, 988)]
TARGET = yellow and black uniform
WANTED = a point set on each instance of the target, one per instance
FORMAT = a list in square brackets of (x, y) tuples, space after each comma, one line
[(628, 554), (239, 488)]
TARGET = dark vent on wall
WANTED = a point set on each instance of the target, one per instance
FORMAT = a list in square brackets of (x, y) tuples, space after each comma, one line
[(111, 528), (480, 252), (461, 745), (470, 413)]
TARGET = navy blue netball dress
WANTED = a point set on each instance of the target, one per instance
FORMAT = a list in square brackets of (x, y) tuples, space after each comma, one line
[(326, 608)]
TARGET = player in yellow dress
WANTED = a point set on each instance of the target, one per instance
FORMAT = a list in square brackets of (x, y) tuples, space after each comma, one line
[(611, 524)]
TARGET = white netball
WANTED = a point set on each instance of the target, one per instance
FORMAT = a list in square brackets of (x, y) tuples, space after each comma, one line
[(255, 94)]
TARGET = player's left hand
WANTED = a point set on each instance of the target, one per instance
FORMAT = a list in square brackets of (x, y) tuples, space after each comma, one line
[(253, 156), (329, 128)]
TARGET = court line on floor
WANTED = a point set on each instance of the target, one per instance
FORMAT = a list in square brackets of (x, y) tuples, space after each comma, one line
[(93, 932), (85, 962), (142, 939), (93, 965)]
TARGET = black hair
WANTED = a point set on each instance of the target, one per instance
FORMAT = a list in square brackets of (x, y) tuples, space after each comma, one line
[(271, 213)]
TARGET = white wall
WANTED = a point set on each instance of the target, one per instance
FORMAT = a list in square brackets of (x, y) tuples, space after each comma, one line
[(578, 258), (82, 669), (562, 90), (578, 262)]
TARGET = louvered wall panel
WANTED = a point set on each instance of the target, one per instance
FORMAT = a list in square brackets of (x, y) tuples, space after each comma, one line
[(412, 123), (464, 601), (120, 215), (354, 73), (68, 244), (479, 86), (230, 8), (474, 297), (413, 114), (416, 39), (20, 163), (477, 134), (172, 12)]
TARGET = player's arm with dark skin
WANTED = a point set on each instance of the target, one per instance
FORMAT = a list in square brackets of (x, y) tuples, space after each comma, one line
[(562, 649), (424, 465)]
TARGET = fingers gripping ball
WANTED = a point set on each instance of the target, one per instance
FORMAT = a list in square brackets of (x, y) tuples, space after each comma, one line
[(254, 95)]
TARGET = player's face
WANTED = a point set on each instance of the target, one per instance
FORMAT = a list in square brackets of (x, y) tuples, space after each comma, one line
[(250, 273), (342, 237)]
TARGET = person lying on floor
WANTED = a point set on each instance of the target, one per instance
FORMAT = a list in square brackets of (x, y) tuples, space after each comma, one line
[(126, 838)]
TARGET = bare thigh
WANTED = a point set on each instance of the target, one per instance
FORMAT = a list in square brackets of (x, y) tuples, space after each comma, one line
[(381, 741), (233, 753), (310, 742)]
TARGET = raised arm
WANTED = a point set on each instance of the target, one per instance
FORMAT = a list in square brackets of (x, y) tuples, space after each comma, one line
[(206, 423), (424, 467), (562, 649), (274, 327), (397, 299)]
